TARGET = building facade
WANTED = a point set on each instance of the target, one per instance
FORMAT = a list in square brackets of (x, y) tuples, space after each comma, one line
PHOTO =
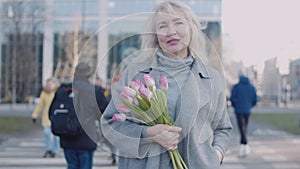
[(45, 38), (294, 79), (271, 82)]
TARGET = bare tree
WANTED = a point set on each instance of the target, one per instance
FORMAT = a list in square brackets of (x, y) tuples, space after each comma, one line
[(23, 35), (73, 44)]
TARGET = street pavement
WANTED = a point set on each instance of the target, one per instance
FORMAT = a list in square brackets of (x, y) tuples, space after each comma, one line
[(26, 153), (270, 149)]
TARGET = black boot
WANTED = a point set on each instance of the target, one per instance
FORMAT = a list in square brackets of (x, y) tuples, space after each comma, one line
[(114, 161), (52, 154), (47, 153)]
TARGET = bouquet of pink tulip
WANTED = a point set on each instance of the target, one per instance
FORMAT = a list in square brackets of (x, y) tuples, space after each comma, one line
[(149, 106)]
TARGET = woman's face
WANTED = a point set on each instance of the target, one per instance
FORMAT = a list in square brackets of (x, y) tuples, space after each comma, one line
[(173, 33)]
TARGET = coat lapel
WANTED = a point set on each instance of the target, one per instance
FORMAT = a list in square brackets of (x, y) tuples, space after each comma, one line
[(194, 96)]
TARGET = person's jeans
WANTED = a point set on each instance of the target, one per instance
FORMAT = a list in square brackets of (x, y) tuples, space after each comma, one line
[(51, 141), (79, 159), (242, 120)]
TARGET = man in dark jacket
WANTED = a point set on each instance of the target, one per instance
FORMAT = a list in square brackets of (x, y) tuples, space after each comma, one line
[(79, 149), (243, 98)]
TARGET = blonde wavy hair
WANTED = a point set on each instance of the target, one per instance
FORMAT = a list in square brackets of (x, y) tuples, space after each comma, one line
[(150, 45)]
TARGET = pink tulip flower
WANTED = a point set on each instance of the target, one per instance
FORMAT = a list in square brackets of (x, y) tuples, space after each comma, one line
[(119, 117), (129, 91), (135, 85), (126, 97), (149, 80), (139, 82), (163, 83), (122, 108), (145, 92)]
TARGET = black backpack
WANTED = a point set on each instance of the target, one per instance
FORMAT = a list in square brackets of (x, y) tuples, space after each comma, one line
[(64, 121)]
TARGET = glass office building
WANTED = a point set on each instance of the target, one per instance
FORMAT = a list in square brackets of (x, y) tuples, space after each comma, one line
[(42, 38)]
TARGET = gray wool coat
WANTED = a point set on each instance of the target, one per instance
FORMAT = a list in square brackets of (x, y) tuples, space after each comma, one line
[(202, 116)]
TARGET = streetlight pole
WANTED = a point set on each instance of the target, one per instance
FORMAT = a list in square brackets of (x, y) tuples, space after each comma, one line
[(10, 14), (83, 16), (0, 56)]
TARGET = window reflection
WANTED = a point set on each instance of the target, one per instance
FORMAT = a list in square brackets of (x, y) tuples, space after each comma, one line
[(76, 8), (205, 7), (124, 7)]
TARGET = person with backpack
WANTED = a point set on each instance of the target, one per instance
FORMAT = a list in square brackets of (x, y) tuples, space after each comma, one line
[(46, 96), (81, 141)]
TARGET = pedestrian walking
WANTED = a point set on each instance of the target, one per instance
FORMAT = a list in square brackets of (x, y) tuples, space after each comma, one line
[(46, 96), (243, 98), (79, 149)]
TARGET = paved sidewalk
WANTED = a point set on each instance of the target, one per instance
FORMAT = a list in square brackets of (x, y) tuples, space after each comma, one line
[(270, 149), (26, 153), (266, 153)]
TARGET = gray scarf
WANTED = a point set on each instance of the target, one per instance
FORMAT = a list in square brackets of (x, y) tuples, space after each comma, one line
[(177, 71), (180, 79)]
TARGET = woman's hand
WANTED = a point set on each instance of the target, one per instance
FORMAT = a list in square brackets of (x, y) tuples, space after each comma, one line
[(165, 135)]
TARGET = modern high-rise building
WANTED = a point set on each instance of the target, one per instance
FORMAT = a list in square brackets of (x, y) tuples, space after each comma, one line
[(271, 87), (42, 38), (294, 79)]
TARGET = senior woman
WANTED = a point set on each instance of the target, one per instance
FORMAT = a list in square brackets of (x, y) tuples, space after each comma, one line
[(173, 47)]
